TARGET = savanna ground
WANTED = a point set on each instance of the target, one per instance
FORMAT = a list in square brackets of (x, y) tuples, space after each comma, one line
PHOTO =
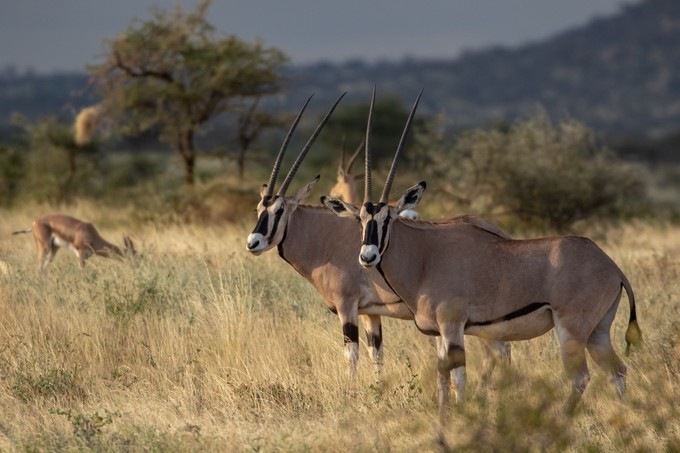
[(200, 346)]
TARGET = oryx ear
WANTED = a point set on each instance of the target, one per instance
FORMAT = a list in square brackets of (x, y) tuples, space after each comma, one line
[(263, 190), (411, 197), (304, 192), (339, 207)]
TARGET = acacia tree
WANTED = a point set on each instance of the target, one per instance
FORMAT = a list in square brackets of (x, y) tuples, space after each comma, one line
[(174, 73)]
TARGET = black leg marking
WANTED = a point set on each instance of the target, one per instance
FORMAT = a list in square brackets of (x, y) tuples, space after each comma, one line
[(455, 358), (375, 340), (351, 333)]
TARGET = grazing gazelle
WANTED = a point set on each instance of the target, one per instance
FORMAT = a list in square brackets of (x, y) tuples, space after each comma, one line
[(57, 230), (305, 238), (459, 279)]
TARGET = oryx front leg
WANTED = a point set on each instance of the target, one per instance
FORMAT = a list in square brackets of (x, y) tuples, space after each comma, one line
[(350, 330), (451, 362), (373, 328)]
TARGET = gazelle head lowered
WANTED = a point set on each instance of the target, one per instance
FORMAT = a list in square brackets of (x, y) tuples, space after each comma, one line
[(375, 218), (273, 211)]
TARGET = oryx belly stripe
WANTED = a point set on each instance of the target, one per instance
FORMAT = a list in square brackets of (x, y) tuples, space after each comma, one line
[(351, 333), (510, 316), (375, 340)]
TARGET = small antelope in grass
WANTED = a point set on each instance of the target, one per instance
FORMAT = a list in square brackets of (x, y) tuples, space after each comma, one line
[(56, 230), (323, 248), (459, 279)]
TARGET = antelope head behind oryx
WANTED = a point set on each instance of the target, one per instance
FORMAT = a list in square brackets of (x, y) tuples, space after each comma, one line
[(459, 279), (322, 247), (345, 184)]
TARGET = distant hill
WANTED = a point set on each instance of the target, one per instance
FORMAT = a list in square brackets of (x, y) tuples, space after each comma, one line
[(620, 75)]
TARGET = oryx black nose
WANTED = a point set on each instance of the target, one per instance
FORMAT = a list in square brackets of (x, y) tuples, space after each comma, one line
[(254, 245), (368, 257)]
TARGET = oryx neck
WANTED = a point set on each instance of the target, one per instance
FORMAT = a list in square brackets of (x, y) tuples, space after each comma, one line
[(312, 237)]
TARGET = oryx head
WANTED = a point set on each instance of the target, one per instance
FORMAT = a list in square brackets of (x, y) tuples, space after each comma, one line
[(273, 211), (375, 218)]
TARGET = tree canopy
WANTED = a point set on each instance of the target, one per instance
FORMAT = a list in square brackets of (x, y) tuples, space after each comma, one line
[(174, 73)]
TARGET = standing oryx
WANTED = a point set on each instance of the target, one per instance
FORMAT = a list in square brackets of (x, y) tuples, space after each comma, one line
[(459, 279), (56, 230), (323, 248)]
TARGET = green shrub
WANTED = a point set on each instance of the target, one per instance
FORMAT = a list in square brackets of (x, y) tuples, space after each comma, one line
[(12, 163), (542, 174)]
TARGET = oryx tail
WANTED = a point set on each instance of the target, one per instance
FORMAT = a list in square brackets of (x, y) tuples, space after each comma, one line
[(633, 333)]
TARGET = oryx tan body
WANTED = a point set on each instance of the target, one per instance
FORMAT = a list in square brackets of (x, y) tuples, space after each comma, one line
[(458, 279), (476, 279), (56, 230)]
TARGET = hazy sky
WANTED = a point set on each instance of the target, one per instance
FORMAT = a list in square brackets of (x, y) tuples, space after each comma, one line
[(64, 35)]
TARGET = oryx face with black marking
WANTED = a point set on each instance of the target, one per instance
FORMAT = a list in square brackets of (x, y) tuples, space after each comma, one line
[(273, 213), (375, 218)]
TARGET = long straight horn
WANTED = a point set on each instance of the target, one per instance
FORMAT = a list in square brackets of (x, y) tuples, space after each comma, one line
[(354, 157), (303, 153), (282, 151), (395, 162), (367, 154)]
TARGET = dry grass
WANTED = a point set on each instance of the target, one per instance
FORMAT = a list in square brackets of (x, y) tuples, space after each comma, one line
[(200, 346)]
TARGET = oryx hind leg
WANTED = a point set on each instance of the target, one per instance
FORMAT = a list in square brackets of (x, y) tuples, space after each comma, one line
[(600, 349), (573, 347), (373, 328)]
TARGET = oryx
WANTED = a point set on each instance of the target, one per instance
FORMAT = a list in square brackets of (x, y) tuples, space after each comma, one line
[(323, 248), (57, 230), (459, 279)]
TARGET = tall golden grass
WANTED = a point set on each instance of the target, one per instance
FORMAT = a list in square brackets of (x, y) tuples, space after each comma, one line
[(200, 346)]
